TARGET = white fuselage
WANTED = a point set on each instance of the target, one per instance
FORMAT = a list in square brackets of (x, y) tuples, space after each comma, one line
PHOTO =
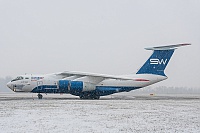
[(29, 82)]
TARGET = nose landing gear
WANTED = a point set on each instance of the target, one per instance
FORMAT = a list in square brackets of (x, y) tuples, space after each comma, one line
[(39, 96)]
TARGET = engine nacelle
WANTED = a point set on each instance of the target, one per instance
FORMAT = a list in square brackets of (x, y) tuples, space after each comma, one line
[(88, 86), (64, 85), (75, 87)]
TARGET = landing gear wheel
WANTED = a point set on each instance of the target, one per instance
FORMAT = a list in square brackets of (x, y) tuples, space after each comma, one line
[(89, 97), (39, 96), (81, 97), (96, 97)]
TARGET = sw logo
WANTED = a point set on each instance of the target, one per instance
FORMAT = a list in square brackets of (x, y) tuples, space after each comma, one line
[(158, 62)]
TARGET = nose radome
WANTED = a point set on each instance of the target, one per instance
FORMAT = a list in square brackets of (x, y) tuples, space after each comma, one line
[(9, 85)]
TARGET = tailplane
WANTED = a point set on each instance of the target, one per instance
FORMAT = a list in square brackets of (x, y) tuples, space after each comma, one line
[(158, 61)]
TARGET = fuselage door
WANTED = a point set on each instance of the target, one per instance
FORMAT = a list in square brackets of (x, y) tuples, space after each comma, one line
[(39, 85)]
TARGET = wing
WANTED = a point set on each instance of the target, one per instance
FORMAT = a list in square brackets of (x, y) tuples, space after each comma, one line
[(89, 77)]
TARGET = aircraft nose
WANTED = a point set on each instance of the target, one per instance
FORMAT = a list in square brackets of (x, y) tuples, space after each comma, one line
[(9, 85)]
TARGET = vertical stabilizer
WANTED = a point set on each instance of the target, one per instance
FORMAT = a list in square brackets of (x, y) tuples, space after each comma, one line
[(158, 61)]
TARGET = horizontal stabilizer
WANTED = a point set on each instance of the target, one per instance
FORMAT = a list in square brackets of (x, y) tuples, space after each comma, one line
[(168, 47)]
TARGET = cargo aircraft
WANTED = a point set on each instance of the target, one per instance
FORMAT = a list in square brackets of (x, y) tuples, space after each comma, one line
[(91, 85)]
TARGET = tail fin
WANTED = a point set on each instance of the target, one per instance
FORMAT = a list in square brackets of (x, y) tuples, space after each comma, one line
[(158, 61)]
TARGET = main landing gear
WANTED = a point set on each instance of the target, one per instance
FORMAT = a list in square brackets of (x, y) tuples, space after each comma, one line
[(89, 97), (39, 96)]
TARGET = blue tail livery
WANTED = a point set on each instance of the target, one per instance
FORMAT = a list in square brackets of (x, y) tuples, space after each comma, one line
[(158, 61)]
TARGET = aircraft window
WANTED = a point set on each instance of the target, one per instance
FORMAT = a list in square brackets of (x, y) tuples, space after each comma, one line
[(26, 78), (18, 78)]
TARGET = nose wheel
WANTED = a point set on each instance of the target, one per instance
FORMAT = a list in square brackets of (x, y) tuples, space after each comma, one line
[(39, 96)]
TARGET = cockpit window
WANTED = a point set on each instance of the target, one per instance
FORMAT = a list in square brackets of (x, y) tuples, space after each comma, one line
[(26, 78), (18, 78)]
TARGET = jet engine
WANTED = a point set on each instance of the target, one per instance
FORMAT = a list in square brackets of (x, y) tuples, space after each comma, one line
[(75, 87)]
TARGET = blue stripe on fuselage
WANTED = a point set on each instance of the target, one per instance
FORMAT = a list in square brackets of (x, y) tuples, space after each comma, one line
[(100, 90), (46, 89), (107, 90)]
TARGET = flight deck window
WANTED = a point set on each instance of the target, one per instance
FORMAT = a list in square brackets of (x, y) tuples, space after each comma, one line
[(26, 78), (18, 78)]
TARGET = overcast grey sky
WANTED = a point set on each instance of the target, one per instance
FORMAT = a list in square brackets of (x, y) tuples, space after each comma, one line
[(100, 36)]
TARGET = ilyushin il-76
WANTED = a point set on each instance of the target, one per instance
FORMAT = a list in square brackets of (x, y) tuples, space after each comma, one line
[(93, 86)]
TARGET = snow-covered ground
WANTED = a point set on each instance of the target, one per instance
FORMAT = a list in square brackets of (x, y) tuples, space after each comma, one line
[(55, 113)]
